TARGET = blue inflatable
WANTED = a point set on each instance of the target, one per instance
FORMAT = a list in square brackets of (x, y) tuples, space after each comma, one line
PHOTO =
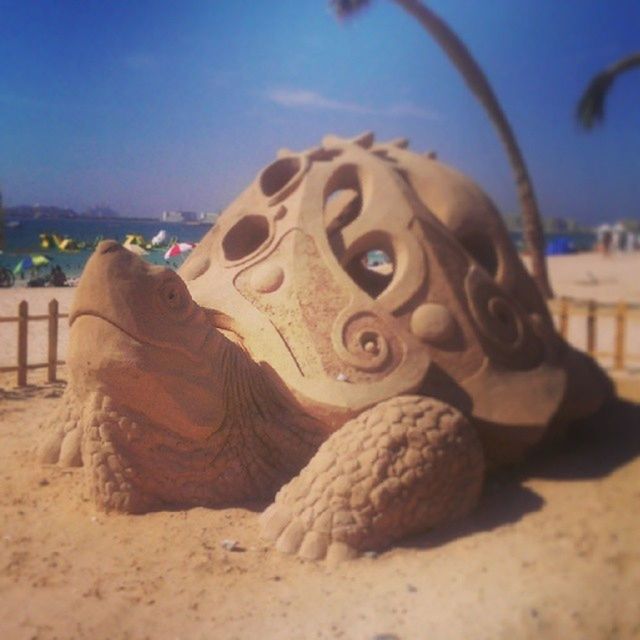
[(560, 246)]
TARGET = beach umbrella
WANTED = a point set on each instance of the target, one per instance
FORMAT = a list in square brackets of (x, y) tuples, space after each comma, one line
[(178, 249), (40, 260), (31, 262)]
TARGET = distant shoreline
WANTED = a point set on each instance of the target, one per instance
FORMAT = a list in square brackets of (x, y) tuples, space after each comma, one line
[(17, 218)]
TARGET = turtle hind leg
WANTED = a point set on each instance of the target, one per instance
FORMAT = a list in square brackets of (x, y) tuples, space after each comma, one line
[(399, 468), (62, 434)]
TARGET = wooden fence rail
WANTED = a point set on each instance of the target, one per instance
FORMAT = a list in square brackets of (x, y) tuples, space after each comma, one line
[(23, 318), (564, 309), (622, 313)]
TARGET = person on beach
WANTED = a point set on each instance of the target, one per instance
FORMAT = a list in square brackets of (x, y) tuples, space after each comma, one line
[(607, 239), (57, 277)]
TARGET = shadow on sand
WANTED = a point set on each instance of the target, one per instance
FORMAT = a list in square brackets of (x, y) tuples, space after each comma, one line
[(592, 449), (49, 390)]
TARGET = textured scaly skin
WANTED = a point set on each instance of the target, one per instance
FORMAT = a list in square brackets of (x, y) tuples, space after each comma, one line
[(399, 468), (135, 466), (61, 444)]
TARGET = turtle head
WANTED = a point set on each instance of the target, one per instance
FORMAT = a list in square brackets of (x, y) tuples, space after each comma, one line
[(148, 302), (138, 337), (175, 401)]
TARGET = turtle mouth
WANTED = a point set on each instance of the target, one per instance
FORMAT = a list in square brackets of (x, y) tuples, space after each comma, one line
[(76, 315)]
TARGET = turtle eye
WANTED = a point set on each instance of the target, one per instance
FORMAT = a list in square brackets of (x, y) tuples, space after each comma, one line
[(174, 296)]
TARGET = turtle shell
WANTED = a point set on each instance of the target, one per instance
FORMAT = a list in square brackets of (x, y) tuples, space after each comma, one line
[(361, 271)]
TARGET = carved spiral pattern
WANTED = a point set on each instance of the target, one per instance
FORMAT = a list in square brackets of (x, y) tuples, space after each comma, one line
[(362, 340), (509, 338)]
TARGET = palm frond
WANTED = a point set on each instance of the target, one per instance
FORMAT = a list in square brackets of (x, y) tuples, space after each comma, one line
[(590, 110)]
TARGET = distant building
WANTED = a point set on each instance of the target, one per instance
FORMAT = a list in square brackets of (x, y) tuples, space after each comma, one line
[(179, 216), (208, 217), (188, 216)]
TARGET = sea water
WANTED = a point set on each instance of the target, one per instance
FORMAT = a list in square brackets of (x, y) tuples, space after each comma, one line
[(23, 239)]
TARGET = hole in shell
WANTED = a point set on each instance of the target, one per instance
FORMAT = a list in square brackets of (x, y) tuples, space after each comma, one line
[(278, 174), (245, 237), (342, 202), (368, 260), (341, 208), (372, 270)]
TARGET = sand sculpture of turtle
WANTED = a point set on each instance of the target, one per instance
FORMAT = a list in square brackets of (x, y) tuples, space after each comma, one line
[(372, 397)]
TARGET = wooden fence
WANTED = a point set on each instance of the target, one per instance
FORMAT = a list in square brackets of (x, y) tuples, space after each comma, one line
[(563, 309), (23, 319), (624, 317)]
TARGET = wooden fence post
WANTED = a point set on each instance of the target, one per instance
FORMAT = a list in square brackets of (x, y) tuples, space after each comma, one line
[(591, 327), (621, 326), (53, 340), (564, 317), (23, 328)]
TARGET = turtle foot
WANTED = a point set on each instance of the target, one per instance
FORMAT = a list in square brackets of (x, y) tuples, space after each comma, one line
[(401, 467), (291, 536), (61, 440)]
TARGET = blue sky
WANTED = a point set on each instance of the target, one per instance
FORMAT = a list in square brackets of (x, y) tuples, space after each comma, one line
[(152, 105)]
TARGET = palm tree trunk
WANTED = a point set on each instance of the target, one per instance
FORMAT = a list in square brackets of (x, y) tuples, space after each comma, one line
[(479, 85), (1, 224)]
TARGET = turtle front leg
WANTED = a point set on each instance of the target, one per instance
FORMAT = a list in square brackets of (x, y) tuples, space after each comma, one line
[(399, 468), (60, 442), (95, 433)]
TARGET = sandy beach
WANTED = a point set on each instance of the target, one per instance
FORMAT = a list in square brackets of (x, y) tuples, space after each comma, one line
[(551, 551)]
